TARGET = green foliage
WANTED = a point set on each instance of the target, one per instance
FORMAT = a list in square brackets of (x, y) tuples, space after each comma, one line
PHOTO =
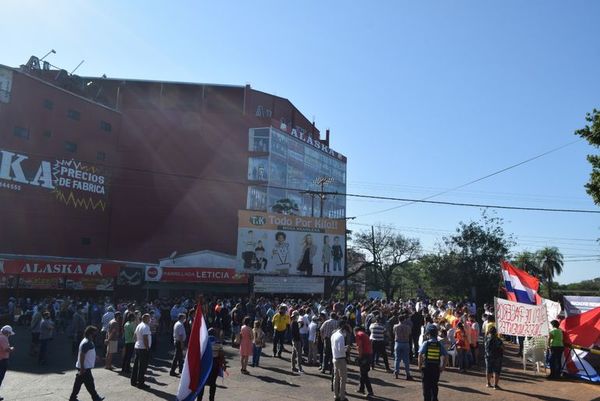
[(528, 261), (591, 132), (586, 287), (468, 262), (550, 262), (387, 254)]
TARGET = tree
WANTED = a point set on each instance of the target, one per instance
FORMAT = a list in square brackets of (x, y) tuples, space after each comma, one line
[(357, 264), (528, 261), (551, 263), (591, 132), (468, 264), (389, 253)]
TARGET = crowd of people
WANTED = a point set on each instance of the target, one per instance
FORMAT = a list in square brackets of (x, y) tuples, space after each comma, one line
[(319, 333)]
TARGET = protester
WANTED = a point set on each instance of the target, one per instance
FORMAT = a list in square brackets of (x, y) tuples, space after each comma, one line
[(402, 335), (36, 321), (281, 321), (377, 338), (218, 366), (129, 339), (556, 347), (143, 342), (296, 359), (327, 329), (462, 347), (365, 354), (179, 337), (258, 343), (86, 360), (494, 350), (112, 339), (340, 373), (245, 344), (431, 362), (5, 351), (313, 341), (46, 334)]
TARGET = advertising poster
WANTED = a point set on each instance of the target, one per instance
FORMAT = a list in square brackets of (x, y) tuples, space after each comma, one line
[(130, 276), (195, 274), (271, 243), (519, 319), (289, 285), (90, 283), (42, 269), (41, 283), (74, 183)]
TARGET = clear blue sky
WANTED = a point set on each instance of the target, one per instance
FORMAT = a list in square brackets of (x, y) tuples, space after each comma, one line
[(421, 96)]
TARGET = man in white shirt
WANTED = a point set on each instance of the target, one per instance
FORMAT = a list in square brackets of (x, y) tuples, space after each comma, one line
[(312, 341), (179, 337), (340, 372), (304, 322), (86, 360), (143, 342)]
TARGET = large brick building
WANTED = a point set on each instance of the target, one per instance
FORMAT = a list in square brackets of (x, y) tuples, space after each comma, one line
[(119, 169)]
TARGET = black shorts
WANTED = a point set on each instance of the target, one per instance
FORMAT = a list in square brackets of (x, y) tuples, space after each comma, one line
[(35, 338), (493, 365)]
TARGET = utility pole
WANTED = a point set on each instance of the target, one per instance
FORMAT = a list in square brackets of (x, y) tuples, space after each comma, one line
[(319, 181)]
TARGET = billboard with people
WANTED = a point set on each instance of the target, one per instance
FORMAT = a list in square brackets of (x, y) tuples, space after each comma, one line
[(270, 243)]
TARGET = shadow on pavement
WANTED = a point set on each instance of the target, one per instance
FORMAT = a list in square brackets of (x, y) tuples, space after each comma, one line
[(539, 397), (462, 389), (268, 379)]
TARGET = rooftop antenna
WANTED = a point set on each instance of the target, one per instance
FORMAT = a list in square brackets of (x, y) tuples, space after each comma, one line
[(49, 53), (78, 65)]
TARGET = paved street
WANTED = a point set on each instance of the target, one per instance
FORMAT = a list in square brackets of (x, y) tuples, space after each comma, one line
[(272, 381)]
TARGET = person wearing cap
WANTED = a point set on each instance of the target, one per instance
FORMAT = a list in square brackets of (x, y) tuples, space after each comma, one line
[(431, 362), (5, 351), (281, 321)]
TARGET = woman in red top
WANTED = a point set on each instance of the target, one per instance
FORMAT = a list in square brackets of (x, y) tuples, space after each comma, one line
[(462, 347)]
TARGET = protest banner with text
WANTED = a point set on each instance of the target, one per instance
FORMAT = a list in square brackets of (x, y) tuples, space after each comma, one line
[(519, 319)]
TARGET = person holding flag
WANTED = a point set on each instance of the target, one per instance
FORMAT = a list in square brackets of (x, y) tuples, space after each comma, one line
[(198, 361), (218, 366)]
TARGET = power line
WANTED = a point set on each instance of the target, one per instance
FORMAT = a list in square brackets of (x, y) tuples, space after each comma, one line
[(476, 180), (537, 209)]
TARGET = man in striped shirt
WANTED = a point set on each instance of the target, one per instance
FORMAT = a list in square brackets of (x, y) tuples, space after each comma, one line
[(377, 338), (327, 329)]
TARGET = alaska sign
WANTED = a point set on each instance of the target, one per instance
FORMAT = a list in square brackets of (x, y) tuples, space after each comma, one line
[(72, 182)]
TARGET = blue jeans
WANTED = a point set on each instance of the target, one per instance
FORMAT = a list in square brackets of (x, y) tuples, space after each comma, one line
[(256, 350), (304, 339), (402, 350)]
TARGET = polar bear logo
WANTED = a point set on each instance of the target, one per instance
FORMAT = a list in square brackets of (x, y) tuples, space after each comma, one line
[(94, 269)]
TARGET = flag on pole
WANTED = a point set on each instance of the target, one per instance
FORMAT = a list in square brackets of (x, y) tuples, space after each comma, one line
[(582, 331), (520, 285), (198, 360)]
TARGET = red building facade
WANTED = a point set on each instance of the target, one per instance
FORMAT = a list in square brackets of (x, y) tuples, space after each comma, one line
[(132, 170)]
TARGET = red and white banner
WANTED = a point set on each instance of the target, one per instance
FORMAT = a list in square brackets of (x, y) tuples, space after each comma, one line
[(520, 319), (39, 268), (195, 275)]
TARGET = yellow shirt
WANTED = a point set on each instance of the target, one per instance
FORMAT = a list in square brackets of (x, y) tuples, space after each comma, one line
[(280, 322)]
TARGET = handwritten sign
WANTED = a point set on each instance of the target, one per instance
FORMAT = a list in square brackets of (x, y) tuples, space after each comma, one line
[(519, 319)]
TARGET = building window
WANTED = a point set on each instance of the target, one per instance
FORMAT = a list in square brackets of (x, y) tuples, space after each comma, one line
[(258, 169), (70, 146), (259, 140), (104, 126), (74, 115), (21, 132), (257, 199), (101, 156), (47, 133), (48, 104), (86, 241)]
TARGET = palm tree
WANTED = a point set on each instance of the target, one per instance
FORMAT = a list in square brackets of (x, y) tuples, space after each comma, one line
[(528, 261), (550, 262)]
